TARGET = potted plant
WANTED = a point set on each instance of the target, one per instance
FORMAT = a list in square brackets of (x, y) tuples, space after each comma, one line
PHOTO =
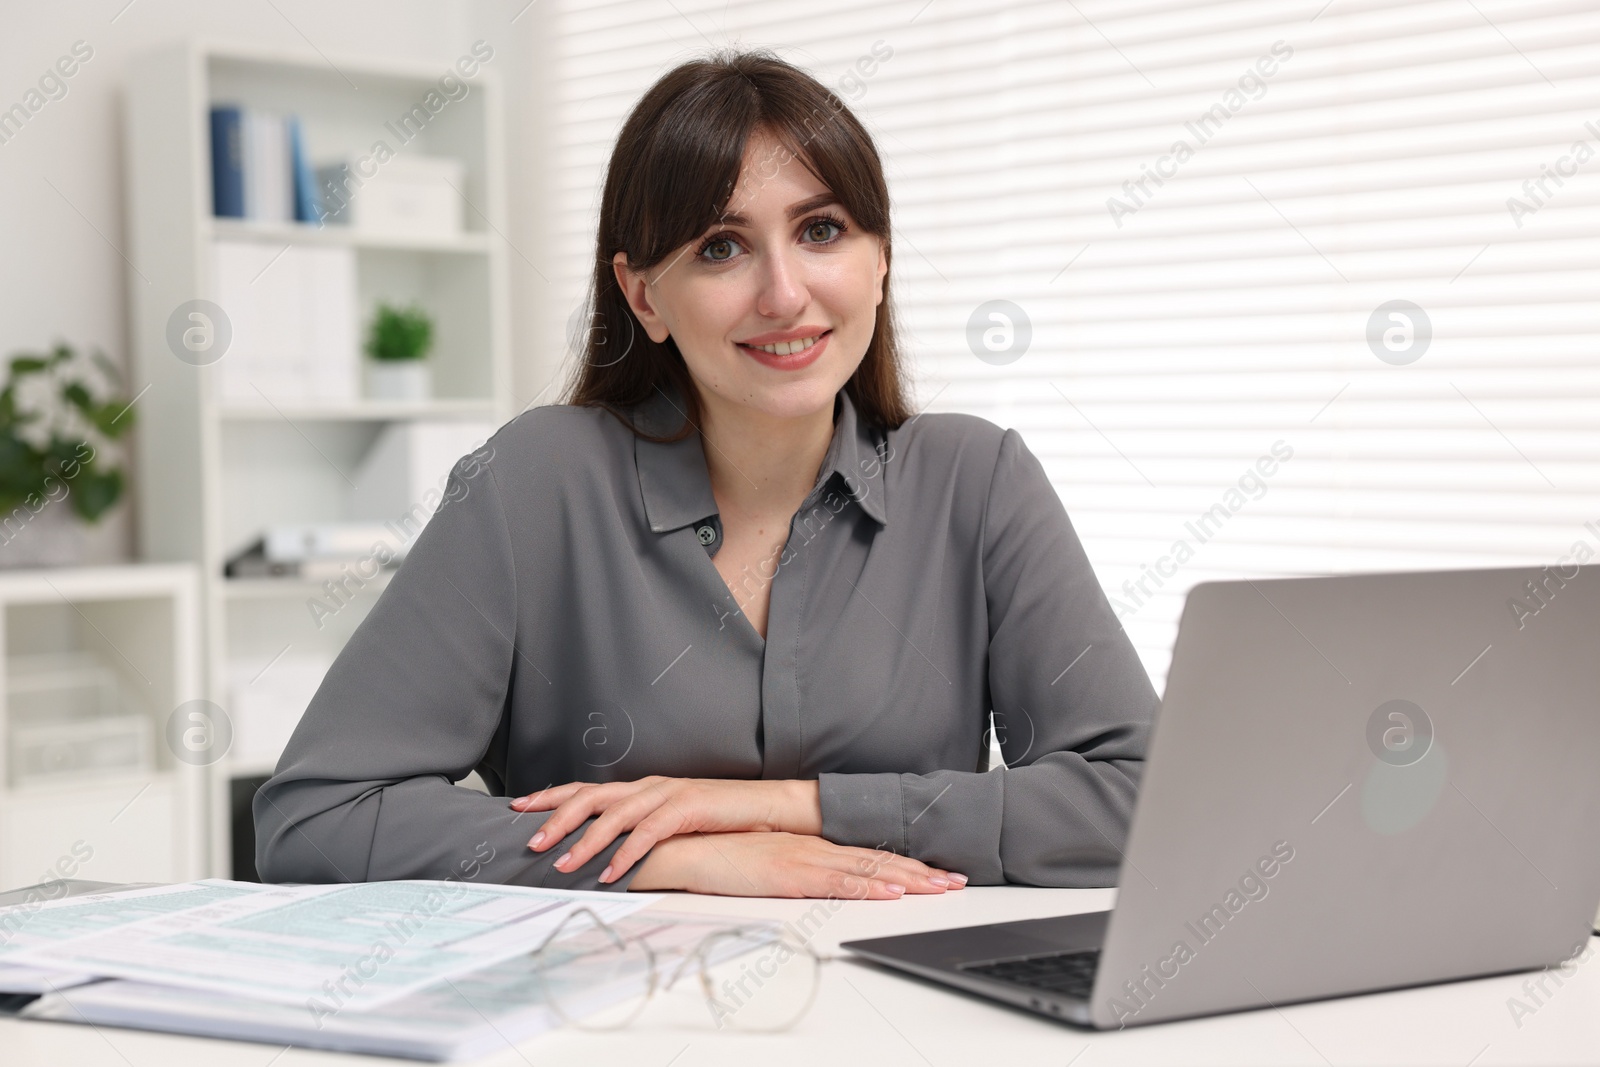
[(398, 342), (53, 414)]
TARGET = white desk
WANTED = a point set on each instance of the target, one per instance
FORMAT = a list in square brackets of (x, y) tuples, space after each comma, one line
[(867, 1016)]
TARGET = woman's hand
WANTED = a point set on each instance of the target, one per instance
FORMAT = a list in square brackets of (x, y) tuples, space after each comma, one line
[(657, 807), (785, 865)]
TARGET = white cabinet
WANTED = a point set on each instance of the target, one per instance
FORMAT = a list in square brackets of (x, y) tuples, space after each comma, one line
[(219, 461), (98, 664)]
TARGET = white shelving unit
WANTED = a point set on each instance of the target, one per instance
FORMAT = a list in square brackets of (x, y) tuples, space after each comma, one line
[(96, 662), (213, 475)]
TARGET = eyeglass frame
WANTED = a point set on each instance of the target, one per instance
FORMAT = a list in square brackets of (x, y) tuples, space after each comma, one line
[(785, 938)]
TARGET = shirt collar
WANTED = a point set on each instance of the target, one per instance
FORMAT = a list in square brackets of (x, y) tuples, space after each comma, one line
[(677, 487)]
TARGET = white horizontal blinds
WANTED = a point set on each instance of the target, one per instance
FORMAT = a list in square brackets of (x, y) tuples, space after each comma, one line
[(606, 55), (1183, 329)]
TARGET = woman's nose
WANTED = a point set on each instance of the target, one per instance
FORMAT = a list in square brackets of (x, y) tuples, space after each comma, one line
[(783, 291)]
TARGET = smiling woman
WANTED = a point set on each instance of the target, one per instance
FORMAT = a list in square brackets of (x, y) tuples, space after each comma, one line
[(733, 183), (563, 629), (783, 250)]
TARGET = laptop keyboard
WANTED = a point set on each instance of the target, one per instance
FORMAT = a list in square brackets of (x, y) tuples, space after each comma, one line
[(1068, 973)]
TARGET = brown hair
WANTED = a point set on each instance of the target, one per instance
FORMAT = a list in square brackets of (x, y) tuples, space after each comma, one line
[(671, 175)]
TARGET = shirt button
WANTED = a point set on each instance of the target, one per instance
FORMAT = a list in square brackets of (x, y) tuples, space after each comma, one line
[(707, 534)]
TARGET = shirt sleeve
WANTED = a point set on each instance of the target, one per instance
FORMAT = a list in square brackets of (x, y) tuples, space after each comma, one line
[(418, 698), (1072, 704)]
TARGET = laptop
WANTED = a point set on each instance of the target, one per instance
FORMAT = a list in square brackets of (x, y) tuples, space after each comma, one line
[(1355, 783)]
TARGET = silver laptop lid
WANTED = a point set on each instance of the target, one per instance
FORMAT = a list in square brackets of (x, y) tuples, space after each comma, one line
[(1362, 782)]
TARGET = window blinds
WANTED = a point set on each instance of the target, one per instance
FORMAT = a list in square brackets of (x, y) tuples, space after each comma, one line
[(1304, 287)]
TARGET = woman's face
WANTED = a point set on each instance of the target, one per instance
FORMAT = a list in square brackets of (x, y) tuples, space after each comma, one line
[(787, 264)]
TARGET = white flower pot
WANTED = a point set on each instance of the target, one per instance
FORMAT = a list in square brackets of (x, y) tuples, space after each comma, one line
[(399, 379), (52, 537)]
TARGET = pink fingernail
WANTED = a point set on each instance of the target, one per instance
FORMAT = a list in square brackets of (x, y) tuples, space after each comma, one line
[(936, 880), (958, 879), (565, 856), (605, 875), (538, 839), (895, 889)]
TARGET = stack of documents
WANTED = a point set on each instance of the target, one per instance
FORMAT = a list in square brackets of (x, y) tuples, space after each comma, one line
[(434, 970), (317, 551)]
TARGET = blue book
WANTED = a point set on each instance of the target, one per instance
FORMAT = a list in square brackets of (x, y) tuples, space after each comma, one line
[(227, 163), (307, 198)]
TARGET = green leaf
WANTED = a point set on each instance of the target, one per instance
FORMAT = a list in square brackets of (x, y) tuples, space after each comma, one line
[(114, 418), (21, 466), (79, 396), (103, 416), (60, 452), (399, 333), (94, 492)]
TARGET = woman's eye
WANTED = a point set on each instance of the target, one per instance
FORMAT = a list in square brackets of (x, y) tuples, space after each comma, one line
[(719, 250), (723, 249), (822, 230)]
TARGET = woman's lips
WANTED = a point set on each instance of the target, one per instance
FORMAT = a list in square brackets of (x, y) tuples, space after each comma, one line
[(793, 361)]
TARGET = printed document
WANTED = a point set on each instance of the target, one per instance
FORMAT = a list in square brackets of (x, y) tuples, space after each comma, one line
[(326, 947), (458, 1018)]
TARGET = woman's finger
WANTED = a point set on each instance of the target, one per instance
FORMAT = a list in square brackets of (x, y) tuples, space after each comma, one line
[(826, 882), (650, 831), (591, 800), (916, 876), (871, 861), (568, 816), (868, 861), (546, 798), (625, 815)]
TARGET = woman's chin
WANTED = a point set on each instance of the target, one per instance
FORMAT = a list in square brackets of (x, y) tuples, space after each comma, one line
[(790, 400), (800, 395)]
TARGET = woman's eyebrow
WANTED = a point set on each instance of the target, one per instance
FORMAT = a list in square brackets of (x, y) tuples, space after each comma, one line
[(795, 210)]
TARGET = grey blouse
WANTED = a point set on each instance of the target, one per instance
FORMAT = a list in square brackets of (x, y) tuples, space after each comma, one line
[(560, 619)]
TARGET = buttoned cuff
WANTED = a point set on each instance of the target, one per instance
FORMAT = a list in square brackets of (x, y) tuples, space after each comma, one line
[(947, 819), (863, 810)]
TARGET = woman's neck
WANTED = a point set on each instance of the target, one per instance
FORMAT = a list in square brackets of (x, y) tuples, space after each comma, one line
[(760, 463)]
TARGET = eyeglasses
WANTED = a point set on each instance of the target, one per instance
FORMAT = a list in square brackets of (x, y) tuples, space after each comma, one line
[(753, 977)]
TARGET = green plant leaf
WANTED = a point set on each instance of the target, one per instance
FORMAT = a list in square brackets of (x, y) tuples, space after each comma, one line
[(24, 469), (21, 466), (93, 492), (399, 333), (79, 396), (104, 417), (114, 419), (59, 452)]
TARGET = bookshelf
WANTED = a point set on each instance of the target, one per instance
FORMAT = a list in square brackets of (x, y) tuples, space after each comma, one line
[(96, 663), (212, 473), (300, 233)]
